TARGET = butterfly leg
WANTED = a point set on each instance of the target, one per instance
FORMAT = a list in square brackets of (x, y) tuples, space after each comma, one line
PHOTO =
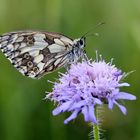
[(67, 67), (84, 56)]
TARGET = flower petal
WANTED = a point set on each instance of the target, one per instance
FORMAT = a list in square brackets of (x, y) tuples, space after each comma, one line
[(122, 108), (62, 108), (123, 84), (97, 101), (73, 116), (86, 85), (85, 113), (77, 105), (92, 114), (125, 96), (110, 104)]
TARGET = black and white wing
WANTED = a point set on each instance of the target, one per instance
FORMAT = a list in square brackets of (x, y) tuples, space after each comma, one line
[(36, 53)]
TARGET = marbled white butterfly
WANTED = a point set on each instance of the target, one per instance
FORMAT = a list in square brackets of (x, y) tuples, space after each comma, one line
[(36, 53)]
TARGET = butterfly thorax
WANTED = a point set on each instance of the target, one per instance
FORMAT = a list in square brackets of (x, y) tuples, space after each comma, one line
[(77, 50)]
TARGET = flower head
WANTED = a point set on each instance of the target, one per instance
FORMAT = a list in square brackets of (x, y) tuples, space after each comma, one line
[(86, 85)]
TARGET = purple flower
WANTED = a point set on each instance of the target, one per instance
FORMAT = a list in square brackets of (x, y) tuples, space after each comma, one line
[(86, 85)]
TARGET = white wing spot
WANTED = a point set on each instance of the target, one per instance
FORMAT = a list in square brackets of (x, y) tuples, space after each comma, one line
[(38, 47), (34, 53), (23, 45), (40, 43), (57, 61), (39, 37), (41, 66), (50, 68), (58, 55), (59, 42), (23, 69), (38, 58), (10, 47), (19, 39), (31, 74), (54, 48), (66, 40), (25, 49), (4, 43), (15, 36), (4, 37)]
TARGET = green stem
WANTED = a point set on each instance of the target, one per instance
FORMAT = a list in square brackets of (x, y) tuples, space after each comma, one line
[(96, 133)]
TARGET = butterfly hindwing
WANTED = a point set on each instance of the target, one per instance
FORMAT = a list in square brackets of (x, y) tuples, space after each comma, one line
[(36, 53)]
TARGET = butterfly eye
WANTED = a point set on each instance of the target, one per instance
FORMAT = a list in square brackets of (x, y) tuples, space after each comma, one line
[(81, 42)]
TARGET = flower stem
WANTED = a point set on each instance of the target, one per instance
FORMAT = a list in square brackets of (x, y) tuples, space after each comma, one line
[(96, 133)]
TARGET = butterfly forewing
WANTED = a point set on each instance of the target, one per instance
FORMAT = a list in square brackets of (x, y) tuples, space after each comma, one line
[(36, 53)]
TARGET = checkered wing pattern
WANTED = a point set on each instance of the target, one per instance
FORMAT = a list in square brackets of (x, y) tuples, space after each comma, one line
[(36, 53)]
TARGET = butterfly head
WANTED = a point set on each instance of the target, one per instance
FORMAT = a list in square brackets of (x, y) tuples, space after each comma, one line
[(80, 42)]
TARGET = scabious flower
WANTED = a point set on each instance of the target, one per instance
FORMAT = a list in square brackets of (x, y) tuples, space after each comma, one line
[(87, 85)]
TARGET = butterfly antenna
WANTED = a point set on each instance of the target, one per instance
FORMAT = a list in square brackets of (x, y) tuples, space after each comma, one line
[(88, 33)]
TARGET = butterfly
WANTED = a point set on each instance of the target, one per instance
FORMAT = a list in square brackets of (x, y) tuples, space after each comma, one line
[(36, 53)]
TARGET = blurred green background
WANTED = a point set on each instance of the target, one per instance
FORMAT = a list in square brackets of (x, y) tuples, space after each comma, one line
[(24, 115)]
